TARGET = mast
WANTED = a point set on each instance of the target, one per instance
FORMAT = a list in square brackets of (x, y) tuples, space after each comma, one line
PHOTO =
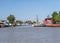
[(37, 19)]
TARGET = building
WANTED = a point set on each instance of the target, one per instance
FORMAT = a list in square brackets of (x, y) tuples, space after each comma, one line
[(49, 22)]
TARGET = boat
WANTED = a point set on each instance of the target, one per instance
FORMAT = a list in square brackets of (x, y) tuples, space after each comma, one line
[(36, 25), (37, 22), (40, 25), (53, 25)]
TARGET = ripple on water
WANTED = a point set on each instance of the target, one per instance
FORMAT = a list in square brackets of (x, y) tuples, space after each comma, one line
[(22, 34)]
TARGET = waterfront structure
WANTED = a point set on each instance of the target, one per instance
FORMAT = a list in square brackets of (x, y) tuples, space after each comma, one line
[(49, 22), (3, 23)]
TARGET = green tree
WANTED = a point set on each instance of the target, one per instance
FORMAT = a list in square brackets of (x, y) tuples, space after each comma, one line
[(11, 19), (34, 22), (18, 21), (59, 15), (55, 17), (30, 22)]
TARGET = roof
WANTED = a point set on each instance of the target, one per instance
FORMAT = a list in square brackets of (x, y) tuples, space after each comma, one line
[(48, 18)]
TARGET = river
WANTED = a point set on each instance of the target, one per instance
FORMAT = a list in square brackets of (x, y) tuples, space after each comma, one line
[(29, 34)]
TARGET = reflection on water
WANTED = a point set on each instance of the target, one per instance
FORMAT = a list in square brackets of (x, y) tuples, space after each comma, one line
[(28, 34)]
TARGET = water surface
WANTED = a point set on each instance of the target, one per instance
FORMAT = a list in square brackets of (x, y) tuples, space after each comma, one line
[(28, 34)]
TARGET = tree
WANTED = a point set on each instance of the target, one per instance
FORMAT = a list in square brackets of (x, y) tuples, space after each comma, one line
[(18, 21), (30, 22), (11, 19), (59, 13), (55, 17), (34, 22)]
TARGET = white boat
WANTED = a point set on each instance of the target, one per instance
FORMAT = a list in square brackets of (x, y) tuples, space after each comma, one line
[(36, 25)]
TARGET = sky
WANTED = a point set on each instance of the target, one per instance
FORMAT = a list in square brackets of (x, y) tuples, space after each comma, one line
[(28, 9)]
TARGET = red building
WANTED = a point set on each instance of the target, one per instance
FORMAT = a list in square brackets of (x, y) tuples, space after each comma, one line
[(49, 22)]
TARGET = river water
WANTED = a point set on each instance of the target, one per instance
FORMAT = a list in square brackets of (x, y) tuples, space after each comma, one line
[(29, 34)]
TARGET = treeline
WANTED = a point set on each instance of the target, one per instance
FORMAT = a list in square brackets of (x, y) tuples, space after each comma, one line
[(12, 20)]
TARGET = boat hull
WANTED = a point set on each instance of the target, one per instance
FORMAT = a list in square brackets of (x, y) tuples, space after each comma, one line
[(53, 25)]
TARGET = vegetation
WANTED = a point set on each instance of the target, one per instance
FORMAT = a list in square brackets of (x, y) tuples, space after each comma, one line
[(56, 17), (34, 22), (18, 21), (11, 19), (30, 22)]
